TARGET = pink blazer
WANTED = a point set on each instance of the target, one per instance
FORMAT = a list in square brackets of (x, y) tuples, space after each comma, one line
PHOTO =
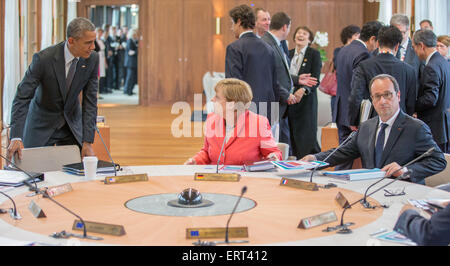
[(251, 141)]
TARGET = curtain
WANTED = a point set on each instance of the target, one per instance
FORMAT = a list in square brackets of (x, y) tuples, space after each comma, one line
[(385, 11), (71, 10), (437, 11), (47, 24), (12, 58)]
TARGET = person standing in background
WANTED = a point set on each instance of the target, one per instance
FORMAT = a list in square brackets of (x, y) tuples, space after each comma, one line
[(103, 65), (433, 99), (131, 62), (348, 35), (302, 116), (347, 60), (443, 43), (262, 21)]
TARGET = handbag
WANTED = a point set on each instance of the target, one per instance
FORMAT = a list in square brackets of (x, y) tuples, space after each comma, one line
[(328, 85)]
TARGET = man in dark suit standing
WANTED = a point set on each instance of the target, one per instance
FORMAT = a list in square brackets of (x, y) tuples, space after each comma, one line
[(253, 61), (131, 62), (433, 101), (279, 28), (46, 110), (391, 139), (389, 39), (406, 52), (434, 231), (347, 60)]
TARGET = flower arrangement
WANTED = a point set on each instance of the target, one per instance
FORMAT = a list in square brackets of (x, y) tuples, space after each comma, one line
[(321, 39)]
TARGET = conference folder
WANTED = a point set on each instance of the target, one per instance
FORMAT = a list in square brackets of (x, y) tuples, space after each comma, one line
[(356, 174), (103, 167)]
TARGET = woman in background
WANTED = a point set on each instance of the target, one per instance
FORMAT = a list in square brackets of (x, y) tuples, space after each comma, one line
[(443, 42), (303, 115), (241, 135)]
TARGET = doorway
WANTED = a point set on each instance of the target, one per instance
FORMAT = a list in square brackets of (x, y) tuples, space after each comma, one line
[(118, 67)]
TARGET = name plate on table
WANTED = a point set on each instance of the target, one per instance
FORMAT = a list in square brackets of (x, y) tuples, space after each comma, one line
[(299, 184), (58, 190), (125, 179), (99, 228), (230, 177), (317, 220), (342, 200), (216, 232), (36, 210)]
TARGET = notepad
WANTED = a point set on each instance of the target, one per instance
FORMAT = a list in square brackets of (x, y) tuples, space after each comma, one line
[(356, 174)]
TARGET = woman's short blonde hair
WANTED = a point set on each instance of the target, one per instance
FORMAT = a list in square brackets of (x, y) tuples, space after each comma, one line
[(235, 90), (445, 39)]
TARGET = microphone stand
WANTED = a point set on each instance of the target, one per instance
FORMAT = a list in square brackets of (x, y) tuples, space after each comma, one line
[(213, 243), (344, 227), (46, 195), (329, 155), (13, 212), (107, 151), (367, 204), (220, 154)]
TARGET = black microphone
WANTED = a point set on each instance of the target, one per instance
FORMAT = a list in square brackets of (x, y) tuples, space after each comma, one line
[(220, 154), (344, 227), (326, 158), (25, 181), (366, 204), (14, 213), (46, 195), (107, 151), (244, 189)]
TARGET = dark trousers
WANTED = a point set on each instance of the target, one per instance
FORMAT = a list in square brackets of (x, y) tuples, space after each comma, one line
[(111, 73), (344, 132), (102, 85), (63, 136), (285, 136), (131, 80)]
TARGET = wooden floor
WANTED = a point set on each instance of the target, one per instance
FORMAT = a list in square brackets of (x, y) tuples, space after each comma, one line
[(143, 135)]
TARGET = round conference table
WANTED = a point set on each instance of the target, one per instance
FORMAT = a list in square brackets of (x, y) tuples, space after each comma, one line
[(273, 220)]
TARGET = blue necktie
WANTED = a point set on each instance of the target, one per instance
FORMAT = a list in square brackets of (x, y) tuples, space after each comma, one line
[(284, 48), (379, 147)]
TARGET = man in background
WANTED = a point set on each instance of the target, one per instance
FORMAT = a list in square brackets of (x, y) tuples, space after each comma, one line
[(433, 99)]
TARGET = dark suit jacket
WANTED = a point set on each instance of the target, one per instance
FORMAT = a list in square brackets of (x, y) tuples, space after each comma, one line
[(413, 60), (347, 60), (253, 61), (42, 103), (433, 101), (382, 64), (303, 115), (409, 138), (433, 232), (131, 60), (284, 81)]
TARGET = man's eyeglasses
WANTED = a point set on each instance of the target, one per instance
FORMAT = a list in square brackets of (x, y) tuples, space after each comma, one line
[(393, 193), (387, 96)]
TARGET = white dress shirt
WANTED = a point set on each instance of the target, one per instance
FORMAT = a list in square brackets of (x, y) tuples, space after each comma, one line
[(68, 57), (297, 60), (387, 131)]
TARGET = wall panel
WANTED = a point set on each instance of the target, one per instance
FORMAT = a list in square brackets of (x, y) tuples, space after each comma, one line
[(179, 43)]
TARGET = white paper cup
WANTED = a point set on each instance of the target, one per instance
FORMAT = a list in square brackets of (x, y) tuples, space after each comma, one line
[(90, 167)]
